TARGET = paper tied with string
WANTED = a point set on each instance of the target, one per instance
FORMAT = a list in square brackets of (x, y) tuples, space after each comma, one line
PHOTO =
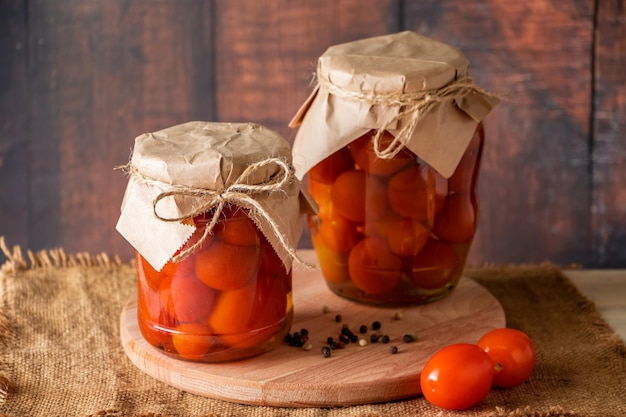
[(195, 167), (417, 89)]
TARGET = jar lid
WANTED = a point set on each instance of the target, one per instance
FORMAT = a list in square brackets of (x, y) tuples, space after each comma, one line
[(184, 170), (416, 88)]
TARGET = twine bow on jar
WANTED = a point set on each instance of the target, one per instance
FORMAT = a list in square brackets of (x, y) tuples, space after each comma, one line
[(415, 105), (240, 193)]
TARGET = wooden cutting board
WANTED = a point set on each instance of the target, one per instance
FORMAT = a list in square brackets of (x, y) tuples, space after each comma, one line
[(292, 377)]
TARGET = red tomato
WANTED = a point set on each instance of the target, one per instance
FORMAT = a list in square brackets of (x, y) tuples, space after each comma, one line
[(153, 277), (373, 267), (417, 192), (348, 195), (327, 170), (434, 266), (457, 377), (375, 197), (339, 234), (334, 265), (237, 228), (193, 340), (363, 152), (154, 321), (513, 354), (456, 222), (406, 237), (227, 267), (321, 194), (233, 313), (186, 298)]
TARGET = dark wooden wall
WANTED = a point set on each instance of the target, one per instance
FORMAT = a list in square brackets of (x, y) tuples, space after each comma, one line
[(79, 79)]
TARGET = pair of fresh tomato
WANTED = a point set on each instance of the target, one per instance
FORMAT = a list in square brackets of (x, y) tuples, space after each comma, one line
[(459, 376)]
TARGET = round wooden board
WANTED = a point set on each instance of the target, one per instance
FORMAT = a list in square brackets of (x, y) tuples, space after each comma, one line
[(292, 377)]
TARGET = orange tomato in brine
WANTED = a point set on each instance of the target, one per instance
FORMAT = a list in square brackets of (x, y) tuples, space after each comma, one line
[(237, 228), (338, 233), (271, 299), (152, 318), (406, 237), (227, 267), (334, 265), (456, 222), (193, 340), (270, 309), (379, 227), (270, 261), (186, 298), (373, 267), (327, 170), (233, 312), (200, 223), (146, 272), (170, 269), (363, 152), (348, 195), (375, 197), (417, 192), (321, 193), (435, 266)]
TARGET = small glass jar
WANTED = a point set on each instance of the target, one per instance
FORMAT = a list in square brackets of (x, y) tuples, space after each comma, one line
[(390, 142), (214, 213), (393, 231), (230, 299)]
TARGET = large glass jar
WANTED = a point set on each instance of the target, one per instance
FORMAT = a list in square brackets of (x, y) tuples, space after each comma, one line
[(214, 213), (390, 142), (230, 299), (393, 231)]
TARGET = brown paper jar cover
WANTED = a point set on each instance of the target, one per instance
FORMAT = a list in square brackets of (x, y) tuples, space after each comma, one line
[(391, 141), (198, 163), (360, 84)]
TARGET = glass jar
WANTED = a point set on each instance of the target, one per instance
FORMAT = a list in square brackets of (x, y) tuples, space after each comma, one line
[(214, 213), (390, 142), (393, 231), (230, 299)]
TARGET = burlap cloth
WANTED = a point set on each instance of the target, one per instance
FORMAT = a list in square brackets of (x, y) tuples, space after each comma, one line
[(61, 353)]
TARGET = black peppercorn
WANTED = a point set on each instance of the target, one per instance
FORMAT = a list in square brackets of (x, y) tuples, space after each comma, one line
[(408, 338)]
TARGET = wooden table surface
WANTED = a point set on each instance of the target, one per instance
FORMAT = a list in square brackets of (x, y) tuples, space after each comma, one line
[(607, 289)]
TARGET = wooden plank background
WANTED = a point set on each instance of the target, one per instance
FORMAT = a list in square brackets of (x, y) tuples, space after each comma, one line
[(80, 79)]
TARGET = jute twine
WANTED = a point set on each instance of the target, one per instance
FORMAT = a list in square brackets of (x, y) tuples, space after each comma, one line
[(415, 105), (240, 193)]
